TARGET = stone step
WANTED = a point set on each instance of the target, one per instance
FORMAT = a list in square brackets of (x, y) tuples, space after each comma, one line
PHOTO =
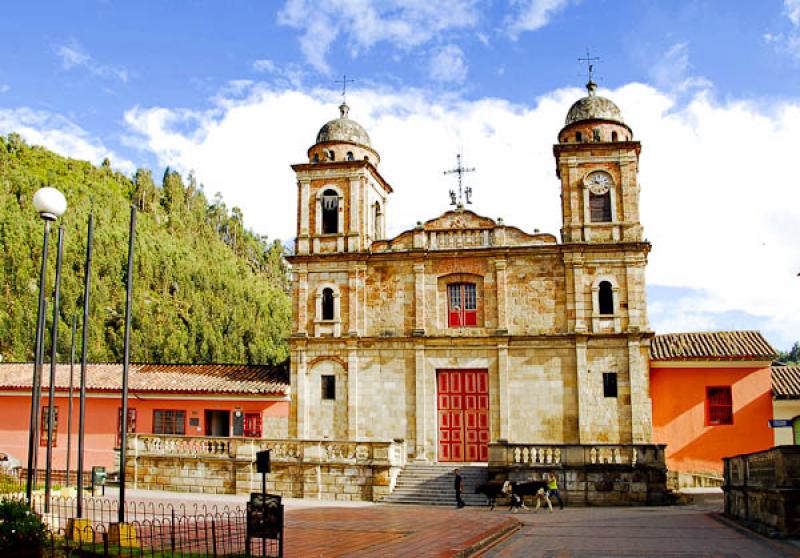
[(432, 484)]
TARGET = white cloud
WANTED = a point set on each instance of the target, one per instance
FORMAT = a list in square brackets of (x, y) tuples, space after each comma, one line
[(717, 198), (673, 71), (73, 55), (4, 87), (447, 65), (402, 23), (58, 134), (264, 65), (792, 8), (530, 15)]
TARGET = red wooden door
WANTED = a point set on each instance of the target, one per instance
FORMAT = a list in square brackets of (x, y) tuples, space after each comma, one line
[(463, 405)]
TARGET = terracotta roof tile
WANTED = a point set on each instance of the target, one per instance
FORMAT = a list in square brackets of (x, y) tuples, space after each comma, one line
[(180, 378), (711, 345), (786, 382)]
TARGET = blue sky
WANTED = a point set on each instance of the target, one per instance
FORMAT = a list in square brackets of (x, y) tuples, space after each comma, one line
[(236, 92)]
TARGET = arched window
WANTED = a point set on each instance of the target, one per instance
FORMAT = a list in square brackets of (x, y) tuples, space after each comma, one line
[(331, 155), (605, 298), (330, 212), (600, 207), (349, 155), (462, 305), (578, 136), (327, 303), (613, 136), (377, 219), (596, 134), (316, 157), (366, 158)]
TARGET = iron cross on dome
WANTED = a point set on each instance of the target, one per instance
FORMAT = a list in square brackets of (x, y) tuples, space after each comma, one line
[(463, 193)]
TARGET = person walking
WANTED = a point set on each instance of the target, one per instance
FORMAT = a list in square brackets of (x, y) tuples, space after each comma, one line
[(459, 486), (552, 489)]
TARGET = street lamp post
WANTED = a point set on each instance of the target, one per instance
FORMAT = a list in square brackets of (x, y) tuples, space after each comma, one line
[(50, 204)]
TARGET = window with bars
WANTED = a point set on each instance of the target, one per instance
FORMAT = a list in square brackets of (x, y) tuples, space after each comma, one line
[(43, 429), (330, 212), (328, 386), (169, 422), (252, 425), (719, 405), (609, 384), (462, 305), (600, 207), (131, 425)]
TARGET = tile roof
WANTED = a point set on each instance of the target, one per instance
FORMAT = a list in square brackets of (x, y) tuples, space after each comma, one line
[(173, 378), (786, 382), (711, 345)]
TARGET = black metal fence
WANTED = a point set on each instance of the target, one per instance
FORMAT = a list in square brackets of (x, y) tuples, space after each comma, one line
[(151, 529)]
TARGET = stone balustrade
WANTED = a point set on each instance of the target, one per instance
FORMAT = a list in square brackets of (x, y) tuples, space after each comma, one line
[(181, 446), (550, 455), (762, 490)]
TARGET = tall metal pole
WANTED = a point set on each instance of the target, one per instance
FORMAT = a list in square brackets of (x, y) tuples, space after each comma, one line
[(87, 275), (71, 377), (125, 365), (34, 426), (38, 430), (53, 362)]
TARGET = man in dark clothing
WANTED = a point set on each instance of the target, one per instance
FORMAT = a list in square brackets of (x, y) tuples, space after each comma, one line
[(459, 486)]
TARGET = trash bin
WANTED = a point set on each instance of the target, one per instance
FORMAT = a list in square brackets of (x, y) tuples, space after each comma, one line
[(98, 479)]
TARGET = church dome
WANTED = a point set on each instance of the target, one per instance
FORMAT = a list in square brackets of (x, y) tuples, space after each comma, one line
[(593, 107), (344, 129)]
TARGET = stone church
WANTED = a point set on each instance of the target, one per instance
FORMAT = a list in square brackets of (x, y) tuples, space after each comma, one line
[(465, 333)]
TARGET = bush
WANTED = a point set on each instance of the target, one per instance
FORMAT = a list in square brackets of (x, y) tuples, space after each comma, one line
[(22, 532)]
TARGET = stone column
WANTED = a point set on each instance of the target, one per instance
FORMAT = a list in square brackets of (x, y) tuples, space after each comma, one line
[(420, 406), (583, 385), (353, 232), (503, 395), (580, 298), (641, 406), (419, 299), (300, 396), (301, 320), (352, 301), (352, 391), (500, 290), (303, 233), (361, 299)]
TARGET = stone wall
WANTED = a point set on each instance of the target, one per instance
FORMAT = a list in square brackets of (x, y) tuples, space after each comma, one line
[(762, 490), (311, 469), (596, 475)]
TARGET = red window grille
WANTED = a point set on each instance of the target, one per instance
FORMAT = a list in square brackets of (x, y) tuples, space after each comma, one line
[(462, 305), (719, 405), (131, 424), (252, 425), (43, 429), (169, 422)]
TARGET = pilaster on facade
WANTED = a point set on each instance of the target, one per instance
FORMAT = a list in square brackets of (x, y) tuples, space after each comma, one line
[(352, 300), (578, 290), (353, 432), (641, 405), (419, 299), (362, 315), (637, 297), (301, 305), (583, 384), (298, 424), (503, 389), (355, 232), (421, 407), (501, 293)]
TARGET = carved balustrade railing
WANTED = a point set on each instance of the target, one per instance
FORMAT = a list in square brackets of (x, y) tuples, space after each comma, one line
[(561, 455), (281, 451)]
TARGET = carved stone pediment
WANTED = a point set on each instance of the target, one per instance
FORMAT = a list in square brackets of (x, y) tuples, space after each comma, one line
[(459, 219)]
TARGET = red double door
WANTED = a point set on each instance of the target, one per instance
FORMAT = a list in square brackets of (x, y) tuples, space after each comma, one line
[(463, 406)]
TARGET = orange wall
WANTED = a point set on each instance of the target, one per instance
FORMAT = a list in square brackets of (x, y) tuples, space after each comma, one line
[(679, 415), (102, 413)]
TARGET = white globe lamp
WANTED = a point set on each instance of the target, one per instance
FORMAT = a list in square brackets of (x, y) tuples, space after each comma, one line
[(50, 203)]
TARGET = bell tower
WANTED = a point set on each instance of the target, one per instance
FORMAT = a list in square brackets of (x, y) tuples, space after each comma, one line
[(341, 195), (597, 161)]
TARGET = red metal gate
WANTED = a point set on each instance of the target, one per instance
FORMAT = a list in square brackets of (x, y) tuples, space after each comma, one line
[(463, 405)]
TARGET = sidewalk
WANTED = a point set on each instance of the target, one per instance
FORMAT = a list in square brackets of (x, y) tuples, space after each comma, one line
[(694, 531)]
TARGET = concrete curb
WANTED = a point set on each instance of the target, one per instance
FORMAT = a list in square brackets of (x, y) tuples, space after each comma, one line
[(492, 539)]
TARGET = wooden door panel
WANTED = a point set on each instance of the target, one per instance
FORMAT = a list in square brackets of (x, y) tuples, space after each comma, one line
[(463, 412)]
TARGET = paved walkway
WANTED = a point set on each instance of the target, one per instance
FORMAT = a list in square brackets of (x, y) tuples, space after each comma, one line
[(653, 532)]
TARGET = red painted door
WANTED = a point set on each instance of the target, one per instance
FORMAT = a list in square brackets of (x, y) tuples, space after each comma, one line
[(463, 406)]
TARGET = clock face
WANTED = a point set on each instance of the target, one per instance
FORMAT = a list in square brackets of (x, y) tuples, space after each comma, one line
[(598, 182)]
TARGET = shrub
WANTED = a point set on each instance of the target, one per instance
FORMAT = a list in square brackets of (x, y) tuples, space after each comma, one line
[(22, 532)]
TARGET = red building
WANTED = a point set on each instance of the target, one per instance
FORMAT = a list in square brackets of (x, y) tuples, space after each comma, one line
[(172, 399), (712, 397)]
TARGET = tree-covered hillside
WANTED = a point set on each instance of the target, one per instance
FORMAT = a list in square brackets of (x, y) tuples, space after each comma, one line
[(205, 289)]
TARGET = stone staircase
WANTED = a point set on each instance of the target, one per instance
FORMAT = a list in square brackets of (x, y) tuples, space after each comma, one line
[(433, 485)]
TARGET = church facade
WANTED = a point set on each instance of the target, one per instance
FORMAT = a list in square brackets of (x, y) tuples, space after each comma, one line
[(466, 331)]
